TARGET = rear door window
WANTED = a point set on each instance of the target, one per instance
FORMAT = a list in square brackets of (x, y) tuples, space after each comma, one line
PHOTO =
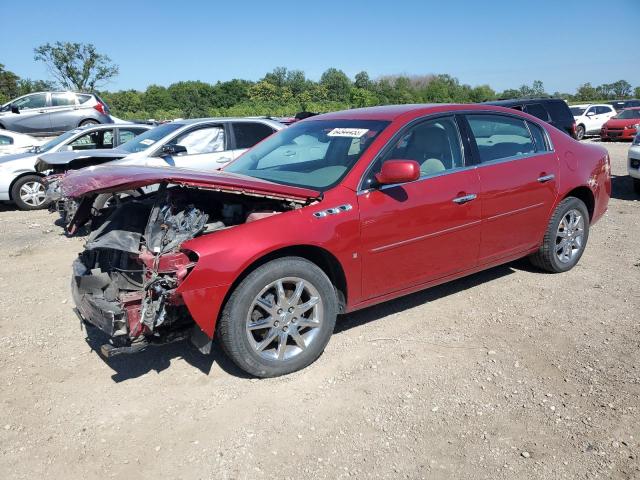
[(62, 99), (247, 134), (603, 110), (538, 111), (126, 134), (83, 98), (499, 137), (539, 137)]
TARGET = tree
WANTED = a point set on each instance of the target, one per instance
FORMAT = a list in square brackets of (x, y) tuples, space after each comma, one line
[(621, 89), (9, 87), (362, 80), (586, 92), (337, 84), (76, 66), (636, 92)]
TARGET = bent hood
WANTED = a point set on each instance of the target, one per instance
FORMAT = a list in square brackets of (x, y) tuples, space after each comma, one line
[(46, 161), (115, 178)]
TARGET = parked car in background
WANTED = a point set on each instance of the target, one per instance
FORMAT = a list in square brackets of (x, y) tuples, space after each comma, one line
[(590, 118), (554, 111), (21, 184), (624, 126), (266, 255), (201, 144), (13, 142), (622, 104), (52, 113), (633, 165)]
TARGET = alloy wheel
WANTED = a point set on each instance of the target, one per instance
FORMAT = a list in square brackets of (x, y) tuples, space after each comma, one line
[(33, 193), (570, 236), (284, 319)]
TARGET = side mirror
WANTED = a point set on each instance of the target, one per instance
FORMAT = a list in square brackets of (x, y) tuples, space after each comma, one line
[(14, 109), (590, 114), (170, 150), (398, 171)]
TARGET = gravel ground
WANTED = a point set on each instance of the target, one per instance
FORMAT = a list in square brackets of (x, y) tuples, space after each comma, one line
[(508, 374)]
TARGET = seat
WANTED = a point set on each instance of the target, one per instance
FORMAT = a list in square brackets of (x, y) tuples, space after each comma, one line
[(429, 146)]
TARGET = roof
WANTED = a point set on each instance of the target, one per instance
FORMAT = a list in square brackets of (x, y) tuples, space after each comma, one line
[(520, 101), (193, 121)]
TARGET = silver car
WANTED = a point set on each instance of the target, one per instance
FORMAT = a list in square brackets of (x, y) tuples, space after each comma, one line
[(52, 113), (22, 185)]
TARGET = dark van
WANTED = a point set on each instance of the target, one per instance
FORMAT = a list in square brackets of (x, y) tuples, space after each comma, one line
[(552, 110)]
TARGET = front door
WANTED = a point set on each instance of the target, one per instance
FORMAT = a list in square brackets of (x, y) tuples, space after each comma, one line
[(424, 230), (518, 178), (33, 117)]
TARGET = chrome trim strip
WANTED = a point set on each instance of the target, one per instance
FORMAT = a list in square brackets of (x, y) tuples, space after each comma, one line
[(511, 212), (423, 237)]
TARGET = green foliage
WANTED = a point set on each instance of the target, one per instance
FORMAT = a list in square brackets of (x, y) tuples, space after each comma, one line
[(76, 66), (281, 92)]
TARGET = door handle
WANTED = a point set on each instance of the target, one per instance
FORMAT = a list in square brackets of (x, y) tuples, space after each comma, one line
[(223, 160), (465, 198), (546, 178)]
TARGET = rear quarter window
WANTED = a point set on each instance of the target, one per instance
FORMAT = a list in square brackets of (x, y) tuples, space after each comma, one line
[(538, 111), (559, 110), (248, 134), (83, 98)]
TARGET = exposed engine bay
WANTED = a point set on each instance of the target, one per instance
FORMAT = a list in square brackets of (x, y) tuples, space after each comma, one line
[(125, 280)]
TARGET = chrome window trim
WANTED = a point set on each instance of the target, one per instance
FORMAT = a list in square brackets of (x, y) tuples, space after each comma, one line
[(551, 150)]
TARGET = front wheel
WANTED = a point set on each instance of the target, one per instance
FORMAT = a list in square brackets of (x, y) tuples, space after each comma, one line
[(580, 132), (86, 123), (566, 237), (279, 318), (28, 193)]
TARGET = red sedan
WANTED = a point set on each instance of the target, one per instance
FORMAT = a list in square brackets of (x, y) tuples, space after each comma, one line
[(333, 214), (623, 126)]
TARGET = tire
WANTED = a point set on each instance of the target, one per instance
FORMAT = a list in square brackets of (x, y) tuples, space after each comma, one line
[(563, 230), (104, 199), (636, 185), (84, 123), (580, 132), (259, 335), (28, 193)]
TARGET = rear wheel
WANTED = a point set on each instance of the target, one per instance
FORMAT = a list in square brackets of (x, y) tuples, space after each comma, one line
[(580, 132), (566, 237), (29, 193), (84, 123), (280, 318)]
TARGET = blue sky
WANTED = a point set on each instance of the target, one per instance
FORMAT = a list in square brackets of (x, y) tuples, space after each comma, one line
[(504, 43)]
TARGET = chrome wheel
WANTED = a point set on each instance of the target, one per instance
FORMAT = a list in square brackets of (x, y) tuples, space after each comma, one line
[(33, 193), (570, 236), (284, 319)]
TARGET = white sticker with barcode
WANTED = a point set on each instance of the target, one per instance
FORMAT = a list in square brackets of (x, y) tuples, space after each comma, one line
[(348, 132), (147, 141)]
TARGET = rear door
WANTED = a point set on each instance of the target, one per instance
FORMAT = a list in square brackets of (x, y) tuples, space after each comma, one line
[(124, 134), (518, 178), (247, 134), (421, 231), (62, 111)]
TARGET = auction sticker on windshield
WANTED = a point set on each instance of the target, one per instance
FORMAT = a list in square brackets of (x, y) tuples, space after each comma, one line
[(348, 132)]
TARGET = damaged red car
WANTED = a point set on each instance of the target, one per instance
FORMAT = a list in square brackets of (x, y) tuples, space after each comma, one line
[(335, 213)]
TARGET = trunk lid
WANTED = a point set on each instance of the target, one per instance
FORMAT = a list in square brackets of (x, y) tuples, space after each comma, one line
[(112, 178)]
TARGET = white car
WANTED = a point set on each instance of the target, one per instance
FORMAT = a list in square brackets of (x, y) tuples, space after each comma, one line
[(14, 142), (633, 163), (21, 184), (591, 117)]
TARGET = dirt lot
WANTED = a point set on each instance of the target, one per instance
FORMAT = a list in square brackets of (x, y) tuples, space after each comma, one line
[(510, 373)]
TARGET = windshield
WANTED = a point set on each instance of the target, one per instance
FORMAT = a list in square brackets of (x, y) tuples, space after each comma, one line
[(577, 111), (627, 114), (51, 144), (314, 154), (148, 138)]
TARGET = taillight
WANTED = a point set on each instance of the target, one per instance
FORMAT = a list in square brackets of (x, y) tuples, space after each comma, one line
[(101, 107), (573, 129)]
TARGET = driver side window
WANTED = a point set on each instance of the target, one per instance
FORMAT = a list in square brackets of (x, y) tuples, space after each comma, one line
[(202, 140), (435, 144), (37, 100)]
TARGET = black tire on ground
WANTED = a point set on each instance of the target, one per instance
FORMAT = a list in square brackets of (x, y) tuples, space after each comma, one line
[(232, 326), (546, 258), (84, 123), (636, 185), (580, 132), (36, 202)]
